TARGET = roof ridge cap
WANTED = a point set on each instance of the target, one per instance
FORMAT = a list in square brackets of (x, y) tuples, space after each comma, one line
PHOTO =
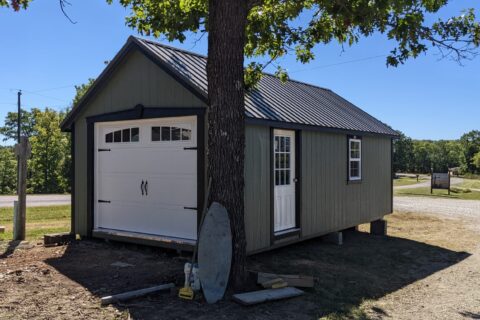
[(156, 43)]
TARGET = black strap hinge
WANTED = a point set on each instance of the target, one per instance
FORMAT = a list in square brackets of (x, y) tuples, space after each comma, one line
[(100, 150), (104, 201), (190, 148), (190, 208)]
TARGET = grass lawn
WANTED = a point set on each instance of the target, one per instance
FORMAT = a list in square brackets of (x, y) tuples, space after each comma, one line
[(405, 181), (454, 193), (40, 220), (471, 183)]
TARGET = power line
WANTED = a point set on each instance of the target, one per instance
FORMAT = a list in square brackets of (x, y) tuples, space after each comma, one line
[(339, 63), (55, 88), (43, 95)]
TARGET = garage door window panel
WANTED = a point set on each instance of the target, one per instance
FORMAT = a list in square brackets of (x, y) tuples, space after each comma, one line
[(123, 135), (168, 133)]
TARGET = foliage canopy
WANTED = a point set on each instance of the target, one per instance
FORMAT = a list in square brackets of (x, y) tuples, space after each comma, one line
[(279, 27)]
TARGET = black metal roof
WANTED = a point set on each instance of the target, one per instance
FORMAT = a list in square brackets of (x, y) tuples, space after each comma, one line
[(292, 102)]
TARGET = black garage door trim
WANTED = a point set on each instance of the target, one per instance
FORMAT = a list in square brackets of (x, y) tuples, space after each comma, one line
[(137, 113)]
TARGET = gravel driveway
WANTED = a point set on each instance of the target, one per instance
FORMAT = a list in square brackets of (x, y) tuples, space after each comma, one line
[(447, 207)]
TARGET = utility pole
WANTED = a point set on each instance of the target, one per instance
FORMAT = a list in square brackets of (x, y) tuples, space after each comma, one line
[(22, 150), (19, 116)]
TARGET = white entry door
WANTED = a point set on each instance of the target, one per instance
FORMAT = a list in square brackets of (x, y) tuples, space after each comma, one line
[(146, 176), (284, 179)]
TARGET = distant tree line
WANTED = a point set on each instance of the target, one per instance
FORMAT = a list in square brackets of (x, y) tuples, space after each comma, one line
[(49, 168), (422, 156)]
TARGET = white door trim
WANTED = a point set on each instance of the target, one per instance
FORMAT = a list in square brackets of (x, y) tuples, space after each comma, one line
[(284, 181)]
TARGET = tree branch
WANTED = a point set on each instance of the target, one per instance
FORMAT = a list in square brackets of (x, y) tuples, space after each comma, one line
[(63, 4)]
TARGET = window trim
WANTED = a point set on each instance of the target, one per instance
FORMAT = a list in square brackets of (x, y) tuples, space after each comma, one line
[(350, 159)]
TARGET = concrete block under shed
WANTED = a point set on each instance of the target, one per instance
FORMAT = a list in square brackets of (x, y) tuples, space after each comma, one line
[(53, 239), (378, 227), (334, 238)]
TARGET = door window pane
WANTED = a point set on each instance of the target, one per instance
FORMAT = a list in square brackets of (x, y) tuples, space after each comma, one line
[(276, 143), (287, 144), (134, 135), (155, 133), (277, 177), (287, 177)]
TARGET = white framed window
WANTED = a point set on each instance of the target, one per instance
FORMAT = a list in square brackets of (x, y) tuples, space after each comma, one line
[(354, 159)]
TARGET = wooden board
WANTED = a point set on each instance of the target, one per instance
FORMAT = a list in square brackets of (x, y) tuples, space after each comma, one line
[(134, 294), (255, 297), (215, 253), (292, 280)]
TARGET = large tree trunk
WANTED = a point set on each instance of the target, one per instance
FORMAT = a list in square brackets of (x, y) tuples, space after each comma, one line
[(226, 119)]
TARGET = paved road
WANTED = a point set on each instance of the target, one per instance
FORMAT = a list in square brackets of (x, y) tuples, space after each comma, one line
[(37, 200), (448, 207)]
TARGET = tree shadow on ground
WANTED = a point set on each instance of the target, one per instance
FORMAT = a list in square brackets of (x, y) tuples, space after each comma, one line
[(365, 267), (7, 248)]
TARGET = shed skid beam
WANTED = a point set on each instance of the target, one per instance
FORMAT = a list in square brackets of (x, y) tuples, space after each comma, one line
[(378, 227)]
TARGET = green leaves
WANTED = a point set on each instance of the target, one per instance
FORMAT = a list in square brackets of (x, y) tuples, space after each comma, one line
[(15, 4), (276, 28), (171, 18)]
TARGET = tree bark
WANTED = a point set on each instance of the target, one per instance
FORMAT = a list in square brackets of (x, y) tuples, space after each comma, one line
[(226, 120)]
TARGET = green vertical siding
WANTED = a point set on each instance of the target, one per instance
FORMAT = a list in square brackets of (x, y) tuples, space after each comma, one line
[(329, 203), (137, 80), (257, 187)]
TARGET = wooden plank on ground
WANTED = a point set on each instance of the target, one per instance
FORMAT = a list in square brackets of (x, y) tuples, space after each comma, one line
[(135, 294), (292, 280), (255, 297)]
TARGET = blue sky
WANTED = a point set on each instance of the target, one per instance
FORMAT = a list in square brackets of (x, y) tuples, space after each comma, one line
[(45, 55)]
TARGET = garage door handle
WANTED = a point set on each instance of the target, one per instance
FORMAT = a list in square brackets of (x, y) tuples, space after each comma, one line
[(190, 208), (141, 187), (146, 187)]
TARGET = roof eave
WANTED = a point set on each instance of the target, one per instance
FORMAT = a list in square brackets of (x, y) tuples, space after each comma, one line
[(71, 116), (131, 44)]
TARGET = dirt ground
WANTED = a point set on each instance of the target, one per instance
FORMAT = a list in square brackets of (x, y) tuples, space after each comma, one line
[(427, 268)]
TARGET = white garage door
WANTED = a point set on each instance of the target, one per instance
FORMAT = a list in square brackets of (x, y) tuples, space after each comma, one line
[(146, 176)]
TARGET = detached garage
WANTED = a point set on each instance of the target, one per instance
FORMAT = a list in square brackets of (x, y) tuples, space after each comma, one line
[(314, 163)]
